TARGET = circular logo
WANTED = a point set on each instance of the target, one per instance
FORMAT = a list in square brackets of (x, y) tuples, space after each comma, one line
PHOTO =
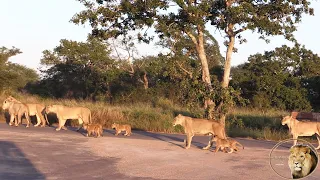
[(296, 161)]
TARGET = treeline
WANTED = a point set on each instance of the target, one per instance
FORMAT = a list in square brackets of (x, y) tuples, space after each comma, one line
[(286, 78)]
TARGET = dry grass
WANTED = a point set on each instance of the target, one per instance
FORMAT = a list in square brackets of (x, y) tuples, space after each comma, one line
[(157, 116)]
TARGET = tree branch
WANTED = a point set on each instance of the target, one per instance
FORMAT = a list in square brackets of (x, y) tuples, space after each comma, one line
[(240, 30), (186, 71)]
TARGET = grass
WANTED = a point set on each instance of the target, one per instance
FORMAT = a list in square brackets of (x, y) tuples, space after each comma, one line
[(157, 116)]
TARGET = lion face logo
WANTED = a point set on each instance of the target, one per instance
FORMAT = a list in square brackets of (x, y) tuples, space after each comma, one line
[(302, 161)]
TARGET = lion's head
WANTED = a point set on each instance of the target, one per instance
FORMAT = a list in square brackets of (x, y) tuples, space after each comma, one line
[(301, 162), (178, 120), (114, 125), (286, 120), (50, 108)]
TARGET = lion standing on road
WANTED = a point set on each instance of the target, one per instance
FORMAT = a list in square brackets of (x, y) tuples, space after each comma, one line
[(16, 111), (194, 126), (37, 110), (302, 161), (300, 128), (93, 129), (119, 128), (64, 113)]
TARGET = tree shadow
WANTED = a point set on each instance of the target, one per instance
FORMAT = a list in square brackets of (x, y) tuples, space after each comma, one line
[(174, 138), (15, 165)]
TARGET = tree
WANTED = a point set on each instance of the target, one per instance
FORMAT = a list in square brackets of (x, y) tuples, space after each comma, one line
[(78, 69), (282, 78), (189, 18), (265, 17), (14, 76)]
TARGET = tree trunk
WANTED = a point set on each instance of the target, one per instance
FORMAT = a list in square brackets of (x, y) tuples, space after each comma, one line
[(227, 65), (199, 43), (145, 81)]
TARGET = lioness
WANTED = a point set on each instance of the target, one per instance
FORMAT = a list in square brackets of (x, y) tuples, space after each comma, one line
[(37, 110), (302, 161), (119, 128), (300, 128), (194, 126), (93, 129), (16, 109), (223, 144), (63, 113)]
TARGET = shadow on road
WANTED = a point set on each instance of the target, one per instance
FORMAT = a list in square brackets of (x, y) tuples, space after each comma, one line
[(14, 164), (172, 137)]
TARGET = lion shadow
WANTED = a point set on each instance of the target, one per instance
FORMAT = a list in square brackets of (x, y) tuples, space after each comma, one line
[(15, 165)]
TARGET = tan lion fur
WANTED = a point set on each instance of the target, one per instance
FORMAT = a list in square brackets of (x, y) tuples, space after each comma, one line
[(193, 126), (122, 127)]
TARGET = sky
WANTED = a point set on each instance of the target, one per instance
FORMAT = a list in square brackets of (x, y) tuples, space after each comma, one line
[(37, 25)]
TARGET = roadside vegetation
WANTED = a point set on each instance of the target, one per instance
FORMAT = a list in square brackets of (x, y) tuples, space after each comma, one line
[(106, 73)]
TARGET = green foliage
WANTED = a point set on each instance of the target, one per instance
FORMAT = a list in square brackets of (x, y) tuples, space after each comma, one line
[(278, 78), (77, 69), (14, 76)]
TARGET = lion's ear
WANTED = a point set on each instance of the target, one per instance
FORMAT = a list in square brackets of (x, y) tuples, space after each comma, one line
[(308, 150)]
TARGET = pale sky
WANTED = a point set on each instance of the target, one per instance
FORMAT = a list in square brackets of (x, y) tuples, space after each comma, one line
[(37, 25)]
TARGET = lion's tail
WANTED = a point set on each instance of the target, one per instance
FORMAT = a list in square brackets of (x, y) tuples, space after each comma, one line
[(240, 145)]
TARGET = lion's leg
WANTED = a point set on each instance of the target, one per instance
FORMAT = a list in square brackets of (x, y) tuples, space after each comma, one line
[(38, 120), (62, 122), (28, 119), (231, 150), (217, 148), (19, 119), (318, 137), (209, 143), (189, 139), (11, 120), (295, 138), (80, 123), (117, 132)]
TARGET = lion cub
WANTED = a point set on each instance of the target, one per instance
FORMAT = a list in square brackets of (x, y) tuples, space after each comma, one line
[(226, 143), (119, 128), (93, 129)]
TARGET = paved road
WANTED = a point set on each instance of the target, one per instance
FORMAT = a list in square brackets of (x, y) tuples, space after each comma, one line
[(42, 153)]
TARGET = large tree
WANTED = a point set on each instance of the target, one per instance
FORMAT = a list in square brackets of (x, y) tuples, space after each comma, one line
[(78, 69), (191, 18)]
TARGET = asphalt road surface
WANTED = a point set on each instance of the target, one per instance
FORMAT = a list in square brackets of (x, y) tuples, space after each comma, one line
[(42, 153)]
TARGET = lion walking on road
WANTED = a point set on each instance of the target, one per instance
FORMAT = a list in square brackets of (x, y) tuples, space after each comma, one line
[(16, 111), (193, 126), (64, 113)]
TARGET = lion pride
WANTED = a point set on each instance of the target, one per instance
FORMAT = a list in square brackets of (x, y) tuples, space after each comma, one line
[(194, 126)]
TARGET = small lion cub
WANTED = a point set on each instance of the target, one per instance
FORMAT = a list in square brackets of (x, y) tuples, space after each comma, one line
[(122, 127), (93, 129), (226, 143)]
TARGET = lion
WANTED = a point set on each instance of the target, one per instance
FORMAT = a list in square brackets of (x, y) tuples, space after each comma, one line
[(302, 128), (16, 109), (64, 113), (37, 110), (223, 144), (122, 127), (194, 126), (302, 161), (93, 128)]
